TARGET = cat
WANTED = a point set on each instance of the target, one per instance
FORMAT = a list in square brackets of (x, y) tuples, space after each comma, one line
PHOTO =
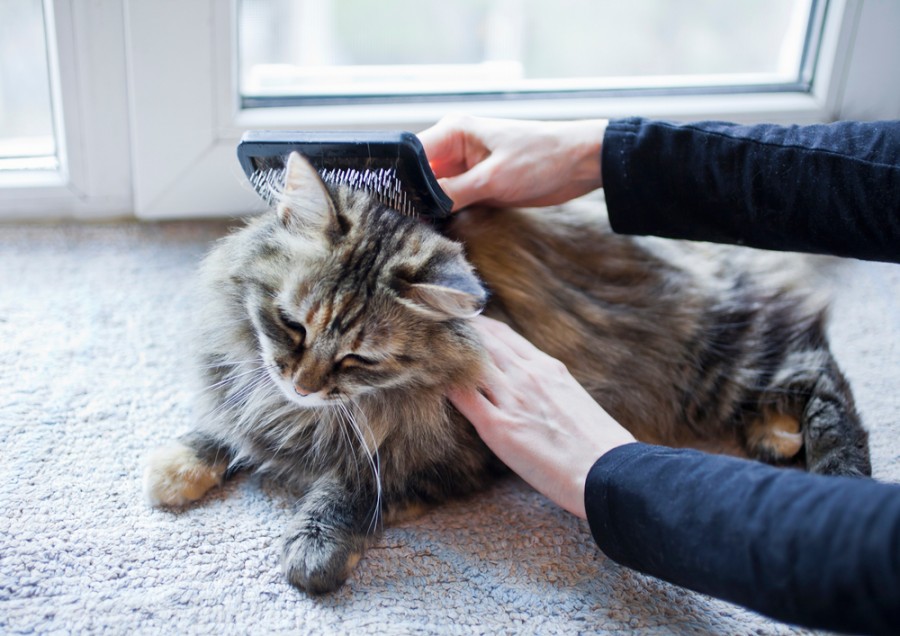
[(331, 328)]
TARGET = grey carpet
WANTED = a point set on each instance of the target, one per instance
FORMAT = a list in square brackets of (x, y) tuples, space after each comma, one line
[(92, 376)]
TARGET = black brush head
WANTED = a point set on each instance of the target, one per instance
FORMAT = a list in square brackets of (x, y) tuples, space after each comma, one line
[(388, 164)]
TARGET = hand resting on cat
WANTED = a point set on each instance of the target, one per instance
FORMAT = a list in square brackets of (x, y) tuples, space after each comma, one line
[(536, 417)]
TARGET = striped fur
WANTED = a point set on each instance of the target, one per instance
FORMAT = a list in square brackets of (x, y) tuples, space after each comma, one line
[(331, 328), (685, 344)]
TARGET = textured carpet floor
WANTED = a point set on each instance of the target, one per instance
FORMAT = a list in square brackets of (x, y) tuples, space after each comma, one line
[(92, 376)]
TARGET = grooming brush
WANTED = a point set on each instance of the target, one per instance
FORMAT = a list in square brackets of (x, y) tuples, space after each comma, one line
[(391, 166)]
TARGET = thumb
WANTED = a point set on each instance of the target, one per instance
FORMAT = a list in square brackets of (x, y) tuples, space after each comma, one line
[(470, 187), (442, 148)]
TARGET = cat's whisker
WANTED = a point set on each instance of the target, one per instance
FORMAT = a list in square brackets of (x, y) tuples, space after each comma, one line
[(285, 438), (281, 414), (227, 363), (240, 397), (235, 377), (342, 422), (346, 421), (238, 394), (373, 456)]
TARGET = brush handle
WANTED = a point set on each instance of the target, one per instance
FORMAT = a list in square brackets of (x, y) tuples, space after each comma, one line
[(351, 150)]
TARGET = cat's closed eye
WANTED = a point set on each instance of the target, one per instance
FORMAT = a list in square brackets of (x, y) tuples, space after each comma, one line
[(292, 325), (296, 330), (356, 360)]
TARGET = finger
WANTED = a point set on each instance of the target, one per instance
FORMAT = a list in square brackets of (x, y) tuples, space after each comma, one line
[(469, 187), (513, 343), (474, 406), (488, 402), (500, 354), (499, 385)]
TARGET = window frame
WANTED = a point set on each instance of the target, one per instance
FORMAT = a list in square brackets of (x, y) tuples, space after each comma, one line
[(85, 45), (807, 99)]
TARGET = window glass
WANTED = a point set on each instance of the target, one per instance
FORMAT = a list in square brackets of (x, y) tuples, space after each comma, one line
[(310, 48), (26, 121)]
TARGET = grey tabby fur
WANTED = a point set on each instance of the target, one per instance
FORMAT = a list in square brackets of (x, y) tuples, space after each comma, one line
[(331, 328)]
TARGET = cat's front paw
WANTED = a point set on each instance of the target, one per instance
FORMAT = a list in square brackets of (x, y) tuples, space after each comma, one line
[(175, 476), (318, 558)]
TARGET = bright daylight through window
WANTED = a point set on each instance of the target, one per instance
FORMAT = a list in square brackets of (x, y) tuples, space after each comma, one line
[(27, 139), (295, 51)]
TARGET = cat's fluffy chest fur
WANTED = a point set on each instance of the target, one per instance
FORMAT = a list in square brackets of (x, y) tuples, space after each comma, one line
[(332, 327)]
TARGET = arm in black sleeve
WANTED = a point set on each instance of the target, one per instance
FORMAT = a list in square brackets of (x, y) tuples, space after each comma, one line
[(831, 189), (818, 551)]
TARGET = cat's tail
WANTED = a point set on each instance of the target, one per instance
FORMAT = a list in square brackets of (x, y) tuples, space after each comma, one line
[(809, 417), (834, 439)]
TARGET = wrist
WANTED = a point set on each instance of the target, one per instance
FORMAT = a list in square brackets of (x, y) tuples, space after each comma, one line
[(585, 138)]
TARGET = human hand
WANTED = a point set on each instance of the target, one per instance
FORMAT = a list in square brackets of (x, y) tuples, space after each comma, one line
[(508, 162), (536, 417)]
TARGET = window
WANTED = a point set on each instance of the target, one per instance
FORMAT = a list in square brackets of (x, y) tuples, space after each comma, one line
[(27, 140), (320, 51), (402, 64), (64, 137)]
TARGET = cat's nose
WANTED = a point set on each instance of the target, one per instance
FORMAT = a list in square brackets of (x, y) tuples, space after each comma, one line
[(299, 389)]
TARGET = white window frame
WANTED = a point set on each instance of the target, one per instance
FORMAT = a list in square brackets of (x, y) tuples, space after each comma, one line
[(151, 114), (85, 45)]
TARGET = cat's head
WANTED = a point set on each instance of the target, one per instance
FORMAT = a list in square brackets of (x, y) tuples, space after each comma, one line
[(350, 298)]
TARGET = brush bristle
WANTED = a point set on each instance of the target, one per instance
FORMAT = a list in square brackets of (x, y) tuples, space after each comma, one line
[(383, 184)]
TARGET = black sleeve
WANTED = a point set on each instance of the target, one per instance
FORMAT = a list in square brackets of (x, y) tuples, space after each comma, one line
[(831, 189), (818, 551)]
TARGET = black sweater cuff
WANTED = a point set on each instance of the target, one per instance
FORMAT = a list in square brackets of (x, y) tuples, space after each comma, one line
[(819, 551)]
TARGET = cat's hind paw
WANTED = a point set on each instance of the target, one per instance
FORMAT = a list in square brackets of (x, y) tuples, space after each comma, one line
[(775, 438), (175, 476)]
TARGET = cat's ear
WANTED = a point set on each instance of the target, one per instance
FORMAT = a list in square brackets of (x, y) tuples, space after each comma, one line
[(305, 203), (447, 290)]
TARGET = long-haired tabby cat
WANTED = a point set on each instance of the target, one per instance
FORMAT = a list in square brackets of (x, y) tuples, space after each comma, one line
[(331, 328)]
